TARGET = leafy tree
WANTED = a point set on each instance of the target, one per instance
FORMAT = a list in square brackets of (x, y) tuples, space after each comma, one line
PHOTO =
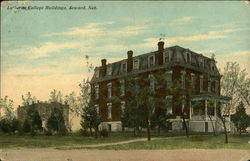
[(56, 122), (235, 85), (240, 119), (26, 126), (5, 125), (56, 96), (91, 118), (27, 99), (34, 119), (16, 126), (6, 105), (74, 103)]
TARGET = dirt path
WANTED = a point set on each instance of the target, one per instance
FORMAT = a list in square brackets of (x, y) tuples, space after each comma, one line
[(47, 154)]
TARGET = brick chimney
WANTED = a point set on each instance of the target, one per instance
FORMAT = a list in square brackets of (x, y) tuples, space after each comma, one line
[(160, 52), (104, 67), (130, 61)]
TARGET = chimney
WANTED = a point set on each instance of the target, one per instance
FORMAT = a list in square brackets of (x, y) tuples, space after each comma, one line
[(160, 52), (130, 61), (104, 67)]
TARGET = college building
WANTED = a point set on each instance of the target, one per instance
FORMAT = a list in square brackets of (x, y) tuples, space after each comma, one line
[(197, 75)]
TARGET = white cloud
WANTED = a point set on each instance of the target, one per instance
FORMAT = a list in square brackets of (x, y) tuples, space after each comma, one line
[(183, 20)]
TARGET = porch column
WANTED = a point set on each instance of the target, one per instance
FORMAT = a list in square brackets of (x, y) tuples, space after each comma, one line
[(190, 110), (206, 110), (215, 109)]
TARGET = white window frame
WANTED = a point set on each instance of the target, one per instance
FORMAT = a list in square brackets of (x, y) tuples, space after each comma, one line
[(97, 72), (109, 69), (183, 79), (109, 86), (122, 68), (96, 91), (192, 80), (122, 87), (201, 83), (149, 60), (109, 105), (97, 108), (171, 106), (171, 78), (123, 106), (165, 55), (136, 65)]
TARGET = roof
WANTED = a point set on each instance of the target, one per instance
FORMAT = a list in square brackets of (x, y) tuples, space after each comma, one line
[(178, 56)]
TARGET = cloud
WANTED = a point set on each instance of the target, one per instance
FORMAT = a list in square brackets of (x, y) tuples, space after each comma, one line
[(183, 20)]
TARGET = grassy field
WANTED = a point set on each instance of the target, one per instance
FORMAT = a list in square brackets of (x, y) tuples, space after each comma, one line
[(166, 142), (196, 142)]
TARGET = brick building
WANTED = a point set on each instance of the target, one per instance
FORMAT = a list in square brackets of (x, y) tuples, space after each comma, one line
[(44, 109), (198, 76)]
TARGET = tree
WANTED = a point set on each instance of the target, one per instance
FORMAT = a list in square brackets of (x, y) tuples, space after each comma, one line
[(56, 96), (74, 107), (34, 119), (235, 85), (91, 118), (240, 119), (56, 122), (6, 105), (27, 99)]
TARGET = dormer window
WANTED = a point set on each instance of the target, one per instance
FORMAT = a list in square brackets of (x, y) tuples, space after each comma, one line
[(109, 69), (97, 72), (151, 60), (188, 58), (124, 67), (166, 57), (201, 62), (136, 64)]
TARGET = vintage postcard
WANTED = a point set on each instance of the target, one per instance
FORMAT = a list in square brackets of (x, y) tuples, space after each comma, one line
[(125, 81)]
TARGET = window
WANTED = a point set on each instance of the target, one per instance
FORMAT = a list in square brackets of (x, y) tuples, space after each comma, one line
[(97, 109), (201, 62), (122, 107), (201, 83), (193, 80), (183, 80), (109, 90), (169, 104), (151, 60), (97, 72), (166, 57), (217, 90), (188, 58), (122, 87), (169, 79), (96, 91), (124, 67), (136, 64), (109, 110), (151, 82), (109, 69), (209, 85)]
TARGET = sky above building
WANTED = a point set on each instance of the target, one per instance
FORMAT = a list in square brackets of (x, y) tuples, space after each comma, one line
[(45, 49)]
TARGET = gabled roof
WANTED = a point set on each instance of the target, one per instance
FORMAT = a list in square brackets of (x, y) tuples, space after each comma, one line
[(178, 56)]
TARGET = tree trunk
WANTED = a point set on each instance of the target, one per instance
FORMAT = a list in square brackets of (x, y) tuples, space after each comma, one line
[(90, 129), (225, 130), (240, 131), (134, 131), (96, 132), (148, 130), (159, 130), (185, 126), (212, 124)]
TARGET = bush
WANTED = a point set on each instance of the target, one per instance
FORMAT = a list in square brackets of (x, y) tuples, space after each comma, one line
[(26, 126), (104, 133), (16, 126), (6, 125), (84, 132)]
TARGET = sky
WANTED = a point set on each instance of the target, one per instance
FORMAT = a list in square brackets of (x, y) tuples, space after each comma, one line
[(42, 50)]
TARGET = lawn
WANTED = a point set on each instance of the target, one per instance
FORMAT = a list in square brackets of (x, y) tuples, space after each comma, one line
[(27, 141), (196, 142)]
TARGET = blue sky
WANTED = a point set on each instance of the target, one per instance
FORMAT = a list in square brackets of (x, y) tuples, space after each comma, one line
[(44, 50)]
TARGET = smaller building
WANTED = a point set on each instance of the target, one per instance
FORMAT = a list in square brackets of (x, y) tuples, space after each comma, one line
[(45, 110)]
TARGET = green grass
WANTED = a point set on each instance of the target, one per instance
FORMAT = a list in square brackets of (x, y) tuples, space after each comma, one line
[(196, 142), (14, 141)]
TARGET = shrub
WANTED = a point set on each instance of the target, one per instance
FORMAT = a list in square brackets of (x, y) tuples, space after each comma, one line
[(84, 132), (5, 125), (26, 126), (104, 133)]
